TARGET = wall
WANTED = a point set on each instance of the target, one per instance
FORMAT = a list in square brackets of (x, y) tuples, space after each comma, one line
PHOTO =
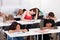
[(28, 4), (9, 6), (0, 4), (51, 5)]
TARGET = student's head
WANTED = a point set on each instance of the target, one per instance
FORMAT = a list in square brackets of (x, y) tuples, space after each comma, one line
[(15, 26), (51, 14), (20, 11), (35, 10), (24, 10), (49, 23), (10, 17)]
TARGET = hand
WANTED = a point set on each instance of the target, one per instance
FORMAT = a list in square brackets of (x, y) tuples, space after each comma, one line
[(25, 30), (36, 11)]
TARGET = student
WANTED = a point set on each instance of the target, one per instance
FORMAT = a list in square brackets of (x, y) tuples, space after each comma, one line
[(41, 14), (16, 27), (51, 16), (27, 15), (2, 17), (38, 13), (48, 24), (9, 18), (20, 12)]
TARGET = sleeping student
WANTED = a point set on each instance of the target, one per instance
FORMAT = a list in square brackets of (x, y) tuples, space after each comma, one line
[(51, 15), (48, 24), (16, 27)]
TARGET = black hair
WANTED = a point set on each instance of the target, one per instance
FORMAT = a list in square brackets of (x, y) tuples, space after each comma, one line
[(49, 21), (34, 10), (13, 26), (24, 10), (51, 14)]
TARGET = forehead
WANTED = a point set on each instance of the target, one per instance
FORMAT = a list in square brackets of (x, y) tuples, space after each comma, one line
[(49, 23), (18, 25)]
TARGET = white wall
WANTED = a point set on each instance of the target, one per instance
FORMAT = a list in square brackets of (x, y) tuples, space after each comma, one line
[(28, 4), (10, 3), (51, 5), (0, 4), (9, 6)]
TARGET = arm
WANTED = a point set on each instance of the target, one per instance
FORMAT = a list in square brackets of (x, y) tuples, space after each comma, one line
[(36, 14), (54, 18), (22, 18), (25, 30)]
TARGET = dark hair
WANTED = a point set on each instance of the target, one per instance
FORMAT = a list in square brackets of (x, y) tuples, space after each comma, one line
[(20, 11), (24, 10), (34, 10), (51, 14), (10, 17), (49, 21), (13, 26)]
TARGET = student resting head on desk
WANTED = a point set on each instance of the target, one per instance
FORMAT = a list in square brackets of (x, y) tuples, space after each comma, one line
[(27, 15), (38, 14), (20, 12), (48, 24), (51, 15), (16, 27), (9, 18)]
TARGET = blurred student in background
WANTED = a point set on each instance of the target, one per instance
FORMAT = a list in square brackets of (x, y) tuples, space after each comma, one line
[(9, 18), (27, 15), (38, 13), (51, 15), (20, 12), (2, 17)]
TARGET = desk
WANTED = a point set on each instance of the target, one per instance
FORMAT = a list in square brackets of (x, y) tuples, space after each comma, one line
[(35, 31), (21, 22), (4, 24), (17, 16), (29, 22)]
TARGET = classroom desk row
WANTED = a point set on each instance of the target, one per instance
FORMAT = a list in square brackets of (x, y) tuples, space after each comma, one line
[(32, 32), (23, 22), (35, 31)]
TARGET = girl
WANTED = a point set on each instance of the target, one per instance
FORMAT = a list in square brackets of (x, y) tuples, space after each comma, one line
[(16, 27)]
